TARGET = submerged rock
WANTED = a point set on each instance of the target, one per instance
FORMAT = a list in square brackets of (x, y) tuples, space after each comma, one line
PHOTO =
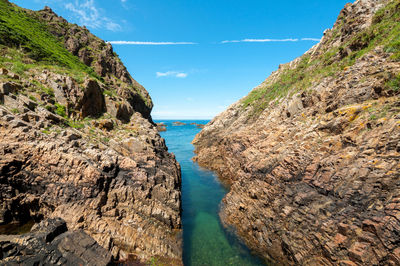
[(161, 127), (178, 123)]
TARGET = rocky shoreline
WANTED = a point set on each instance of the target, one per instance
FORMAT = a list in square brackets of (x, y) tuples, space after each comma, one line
[(79, 153), (314, 174)]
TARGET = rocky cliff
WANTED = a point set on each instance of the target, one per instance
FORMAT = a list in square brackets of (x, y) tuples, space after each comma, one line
[(312, 154), (79, 151)]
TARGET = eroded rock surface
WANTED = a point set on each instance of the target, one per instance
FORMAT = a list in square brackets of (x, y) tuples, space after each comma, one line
[(82, 148), (99, 55), (315, 175), (50, 243), (124, 193)]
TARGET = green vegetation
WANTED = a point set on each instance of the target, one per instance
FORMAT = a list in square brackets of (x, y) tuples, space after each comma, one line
[(18, 28), (49, 108), (42, 89), (48, 91), (393, 84), (19, 68), (108, 93), (15, 111), (46, 130), (384, 31), (147, 101), (32, 98), (60, 110), (154, 262), (372, 117), (76, 124), (279, 89), (378, 111), (29, 49)]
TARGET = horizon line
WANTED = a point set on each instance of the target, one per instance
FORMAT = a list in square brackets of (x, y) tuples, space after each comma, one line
[(149, 43), (182, 118), (270, 40), (247, 40)]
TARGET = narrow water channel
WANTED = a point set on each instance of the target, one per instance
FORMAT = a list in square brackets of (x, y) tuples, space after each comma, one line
[(205, 242)]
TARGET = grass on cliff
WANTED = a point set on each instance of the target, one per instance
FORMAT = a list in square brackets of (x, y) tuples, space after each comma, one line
[(393, 84), (19, 29), (384, 31)]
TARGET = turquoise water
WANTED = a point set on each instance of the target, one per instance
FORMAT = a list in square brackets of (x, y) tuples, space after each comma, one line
[(205, 242)]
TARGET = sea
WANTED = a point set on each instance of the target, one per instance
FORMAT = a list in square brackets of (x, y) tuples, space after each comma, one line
[(205, 240)]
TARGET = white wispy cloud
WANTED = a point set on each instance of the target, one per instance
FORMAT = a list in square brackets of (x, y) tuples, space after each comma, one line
[(181, 75), (260, 40), (311, 39), (150, 43), (175, 74), (89, 15), (112, 26), (271, 40)]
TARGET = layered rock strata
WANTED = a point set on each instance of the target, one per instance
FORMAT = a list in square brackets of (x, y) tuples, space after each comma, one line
[(80, 146), (314, 170)]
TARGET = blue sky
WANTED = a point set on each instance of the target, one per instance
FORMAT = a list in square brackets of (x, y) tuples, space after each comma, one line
[(196, 57)]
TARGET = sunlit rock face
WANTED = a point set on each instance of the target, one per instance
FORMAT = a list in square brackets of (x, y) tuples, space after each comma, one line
[(312, 154), (80, 148)]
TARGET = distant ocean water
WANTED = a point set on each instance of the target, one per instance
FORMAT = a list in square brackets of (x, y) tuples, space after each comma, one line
[(206, 242)]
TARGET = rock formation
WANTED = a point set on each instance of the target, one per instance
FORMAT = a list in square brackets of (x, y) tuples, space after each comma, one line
[(161, 127), (198, 125), (99, 55), (312, 154), (50, 242), (78, 150), (178, 123)]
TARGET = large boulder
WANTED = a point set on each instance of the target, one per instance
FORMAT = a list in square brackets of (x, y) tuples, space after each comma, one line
[(50, 243)]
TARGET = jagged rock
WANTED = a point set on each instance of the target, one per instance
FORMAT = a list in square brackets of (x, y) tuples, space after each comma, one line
[(106, 124), (72, 44), (51, 117), (65, 154), (124, 111), (135, 100), (198, 125), (31, 105), (58, 92), (85, 56), (294, 106), (9, 87), (3, 71), (111, 190), (161, 127), (14, 104), (315, 175), (100, 56), (50, 242)]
